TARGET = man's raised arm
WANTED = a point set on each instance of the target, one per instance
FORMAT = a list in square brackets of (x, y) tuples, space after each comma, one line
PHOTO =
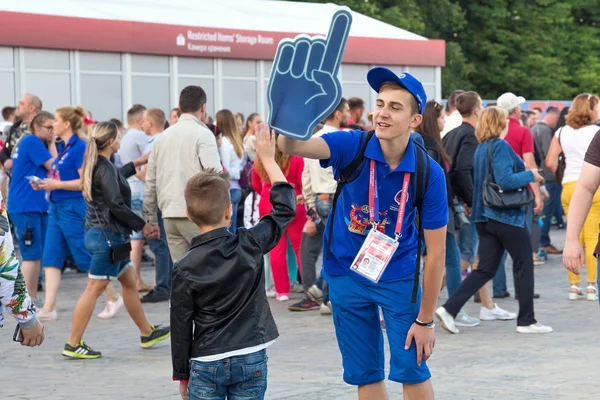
[(315, 147)]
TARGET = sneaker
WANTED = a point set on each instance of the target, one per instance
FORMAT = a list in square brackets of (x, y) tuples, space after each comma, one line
[(502, 296), (297, 287), (282, 297), (575, 293), (496, 313), (304, 305), (315, 293), (464, 319), (592, 293), (81, 351), (271, 293), (446, 320), (477, 298), (550, 249), (534, 328), (44, 315), (158, 333), (111, 309), (154, 297), (326, 308)]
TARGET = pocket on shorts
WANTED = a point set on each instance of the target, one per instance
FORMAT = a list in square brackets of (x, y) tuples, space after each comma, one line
[(255, 377), (203, 380)]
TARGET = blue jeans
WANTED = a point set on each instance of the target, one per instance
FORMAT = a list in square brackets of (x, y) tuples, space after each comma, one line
[(162, 257), (453, 275), (499, 281), (237, 378), (236, 197), (549, 210), (468, 242)]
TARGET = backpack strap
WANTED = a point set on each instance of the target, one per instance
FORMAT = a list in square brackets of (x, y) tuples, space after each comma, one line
[(421, 180), (348, 175)]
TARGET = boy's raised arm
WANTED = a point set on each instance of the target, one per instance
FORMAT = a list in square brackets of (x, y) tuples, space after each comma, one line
[(315, 147)]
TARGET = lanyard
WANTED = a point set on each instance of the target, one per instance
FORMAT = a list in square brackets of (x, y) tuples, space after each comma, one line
[(374, 200), (60, 156)]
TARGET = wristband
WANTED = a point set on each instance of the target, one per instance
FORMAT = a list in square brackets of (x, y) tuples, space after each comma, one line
[(429, 325)]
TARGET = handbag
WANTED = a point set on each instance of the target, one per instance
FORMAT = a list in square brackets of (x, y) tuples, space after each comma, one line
[(495, 197), (562, 163), (118, 253)]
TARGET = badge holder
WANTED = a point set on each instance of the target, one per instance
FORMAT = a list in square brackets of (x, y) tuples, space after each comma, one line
[(378, 249)]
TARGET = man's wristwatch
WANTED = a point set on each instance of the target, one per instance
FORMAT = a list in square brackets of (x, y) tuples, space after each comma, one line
[(429, 325)]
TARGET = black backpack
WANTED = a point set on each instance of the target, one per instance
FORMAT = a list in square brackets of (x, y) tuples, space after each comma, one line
[(418, 180)]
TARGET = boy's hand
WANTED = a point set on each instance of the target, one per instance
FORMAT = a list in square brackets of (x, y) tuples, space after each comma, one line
[(265, 142), (183, 390)]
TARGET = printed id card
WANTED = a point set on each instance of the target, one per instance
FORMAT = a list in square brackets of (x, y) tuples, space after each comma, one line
[(374, 255)]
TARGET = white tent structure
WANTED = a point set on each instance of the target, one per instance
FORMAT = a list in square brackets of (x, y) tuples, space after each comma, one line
[(107, 55)]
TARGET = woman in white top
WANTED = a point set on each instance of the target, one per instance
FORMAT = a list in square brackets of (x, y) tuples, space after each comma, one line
[(253, 120), (573, 140), (232, 157)]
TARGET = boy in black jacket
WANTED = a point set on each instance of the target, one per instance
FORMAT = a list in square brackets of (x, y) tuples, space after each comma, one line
[(221, 323)]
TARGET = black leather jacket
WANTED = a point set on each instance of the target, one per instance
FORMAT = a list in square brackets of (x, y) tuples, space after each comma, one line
[(218, 299), (111, 199), (460, 144)]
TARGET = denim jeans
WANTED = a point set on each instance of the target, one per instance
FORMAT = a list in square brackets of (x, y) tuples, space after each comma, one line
[(549, 210), (235, 378), (162, 258), (236, 197), (453, 275), (499, 281), (468, 242)]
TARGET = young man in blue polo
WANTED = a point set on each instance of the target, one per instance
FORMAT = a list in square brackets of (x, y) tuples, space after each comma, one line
[(381, 192)]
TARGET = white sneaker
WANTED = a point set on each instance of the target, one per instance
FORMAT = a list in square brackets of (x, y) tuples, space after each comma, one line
[(271, 294), (446, 320), (111, 309), (592, 293), (496, 313), (575, 293), (44, 315), (326, 308), (315, 293), (283, 297), (296, 287), (534, 328), (464, 319)]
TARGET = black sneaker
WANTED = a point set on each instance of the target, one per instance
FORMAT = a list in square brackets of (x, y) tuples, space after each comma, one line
[(158, 333), (502, 296), (154, 297), (477, 298), (82, 351), (305, 305)]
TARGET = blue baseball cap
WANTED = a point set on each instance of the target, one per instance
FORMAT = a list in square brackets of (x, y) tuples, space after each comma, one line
[(378, 75)]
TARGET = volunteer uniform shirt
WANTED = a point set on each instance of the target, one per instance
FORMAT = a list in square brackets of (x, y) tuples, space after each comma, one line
[(65, 167), (351, 220), (28, 160)]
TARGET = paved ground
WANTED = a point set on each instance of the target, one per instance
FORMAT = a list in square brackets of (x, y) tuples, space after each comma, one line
[(487, 362)]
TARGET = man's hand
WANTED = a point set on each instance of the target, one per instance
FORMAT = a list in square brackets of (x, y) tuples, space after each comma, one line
[(33, 336), (151, 231), (424, 340), (573, 257), (143, 160), (310, 228), (183, 390), (539, 205), (300, 199), (544, 192)]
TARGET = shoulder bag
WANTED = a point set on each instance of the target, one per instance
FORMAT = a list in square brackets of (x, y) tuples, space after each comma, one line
[(118, 253), (495, 197), (562, 162)]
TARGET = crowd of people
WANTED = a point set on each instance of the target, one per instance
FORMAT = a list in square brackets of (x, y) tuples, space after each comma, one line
[(91, 195)]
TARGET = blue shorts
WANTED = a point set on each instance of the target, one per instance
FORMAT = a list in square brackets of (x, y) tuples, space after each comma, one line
[(468, 243), (358, 329), (37, 223), (101, 267), (137, 205), (64, 235)]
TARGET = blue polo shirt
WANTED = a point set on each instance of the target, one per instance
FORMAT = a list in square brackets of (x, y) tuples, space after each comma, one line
[(65, 166), (28, 160), (351, 220)]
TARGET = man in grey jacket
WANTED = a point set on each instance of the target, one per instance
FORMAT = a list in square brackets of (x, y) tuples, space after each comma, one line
[(543, 132), (180, 152)]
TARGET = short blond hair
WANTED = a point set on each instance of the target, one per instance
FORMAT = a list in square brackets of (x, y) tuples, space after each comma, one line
[(491, 123)]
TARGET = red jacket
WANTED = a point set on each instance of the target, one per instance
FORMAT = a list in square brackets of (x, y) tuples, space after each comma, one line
[(294, 177)]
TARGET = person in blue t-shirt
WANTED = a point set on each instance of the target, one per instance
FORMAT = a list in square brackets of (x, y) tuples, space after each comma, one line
[(27, 208), (391, 155), (65, 232)]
